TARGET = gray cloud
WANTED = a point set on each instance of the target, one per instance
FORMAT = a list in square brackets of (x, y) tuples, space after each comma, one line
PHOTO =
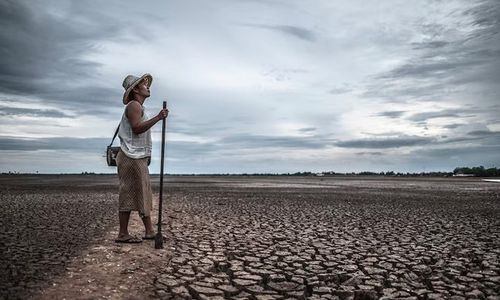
[(339, 90), (452, 126), (394, 114), (383, 143), (375, 153), (298, 32), (177, 149), (47, 51), (486, 15), (446, 113), (474, 137), (56, 143), (484, 133), (181, 150), (430, 68), (455, 59), (246, 141), (466, 153), (43, 53), (453, 140), (195, 128), (48, 113), (307, 129), (431, 44)]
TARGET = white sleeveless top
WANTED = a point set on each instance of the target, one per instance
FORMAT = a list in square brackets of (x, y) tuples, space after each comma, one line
[(134, 145)]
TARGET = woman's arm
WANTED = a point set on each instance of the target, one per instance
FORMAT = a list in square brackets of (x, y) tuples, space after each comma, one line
[(134, 114)]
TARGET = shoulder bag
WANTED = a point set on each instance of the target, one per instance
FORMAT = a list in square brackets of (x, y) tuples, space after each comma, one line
[(112, 152)]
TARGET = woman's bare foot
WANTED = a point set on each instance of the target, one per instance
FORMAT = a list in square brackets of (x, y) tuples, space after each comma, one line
[(129, 239)]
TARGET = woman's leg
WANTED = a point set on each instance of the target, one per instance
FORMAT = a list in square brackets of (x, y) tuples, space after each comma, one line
[(124, 216), (148, 226)]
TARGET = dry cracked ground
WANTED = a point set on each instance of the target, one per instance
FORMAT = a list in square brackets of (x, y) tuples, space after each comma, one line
[(275, 238)]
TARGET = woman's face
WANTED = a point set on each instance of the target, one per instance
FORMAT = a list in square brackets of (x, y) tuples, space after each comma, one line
[(143, 89)]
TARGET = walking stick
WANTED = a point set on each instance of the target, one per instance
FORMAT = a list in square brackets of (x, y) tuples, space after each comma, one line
[(159, 236)]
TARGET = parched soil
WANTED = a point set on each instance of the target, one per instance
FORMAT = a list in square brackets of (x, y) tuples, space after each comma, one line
[(256, 238), (43, 227)]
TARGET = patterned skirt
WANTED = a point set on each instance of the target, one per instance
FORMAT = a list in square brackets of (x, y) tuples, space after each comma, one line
[(135, 185)]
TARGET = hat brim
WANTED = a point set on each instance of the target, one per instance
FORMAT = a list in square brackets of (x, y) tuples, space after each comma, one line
[(133, 85)]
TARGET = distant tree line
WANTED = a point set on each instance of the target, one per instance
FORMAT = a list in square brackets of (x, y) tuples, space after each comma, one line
[(477, 171), (459, 171), (389, 173), (474, 171)]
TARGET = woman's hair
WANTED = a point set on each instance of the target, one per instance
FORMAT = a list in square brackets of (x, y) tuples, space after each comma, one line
[(131, 95)]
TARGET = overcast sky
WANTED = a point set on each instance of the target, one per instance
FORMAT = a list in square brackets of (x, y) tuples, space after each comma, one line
[(254, 85)]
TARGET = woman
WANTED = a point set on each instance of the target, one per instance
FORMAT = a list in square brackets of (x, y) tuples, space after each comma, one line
[(132, 159)]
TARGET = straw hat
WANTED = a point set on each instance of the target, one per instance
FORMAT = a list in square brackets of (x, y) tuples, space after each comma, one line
[(131, 81)]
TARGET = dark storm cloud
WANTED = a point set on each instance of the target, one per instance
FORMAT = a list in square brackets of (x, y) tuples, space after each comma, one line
[(298, 32), (394, 114), (487, 14), (47, 113), (449, 57), (42, 53), (384, 143)]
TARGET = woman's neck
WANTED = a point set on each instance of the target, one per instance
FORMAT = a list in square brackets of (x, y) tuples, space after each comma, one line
[(138, 99)]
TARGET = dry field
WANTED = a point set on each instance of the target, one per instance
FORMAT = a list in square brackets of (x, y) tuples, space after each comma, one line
[(260, 238)]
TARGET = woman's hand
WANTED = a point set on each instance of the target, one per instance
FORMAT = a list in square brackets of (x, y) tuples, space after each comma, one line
[(162, 114)]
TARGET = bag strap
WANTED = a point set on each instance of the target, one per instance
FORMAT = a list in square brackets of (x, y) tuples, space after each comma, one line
[(114, 136)]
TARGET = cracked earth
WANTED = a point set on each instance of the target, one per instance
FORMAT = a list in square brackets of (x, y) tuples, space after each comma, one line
[(293, 238)]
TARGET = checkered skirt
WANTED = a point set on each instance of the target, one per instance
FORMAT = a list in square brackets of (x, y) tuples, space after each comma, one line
[(135, 185)]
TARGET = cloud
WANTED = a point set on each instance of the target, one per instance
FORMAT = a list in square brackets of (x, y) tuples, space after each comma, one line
[(31, 112), (58, 143), (339, 90), (288, 84), (465, 153), (484, 133), (46, 54), (248, 141), (394, 114), (430, 68), (178, 149), (453, 140), (374, 153), (295, 31), (446, 113), (431, 45), (456, 57), (307, 129), (452, 126), (383, 143)]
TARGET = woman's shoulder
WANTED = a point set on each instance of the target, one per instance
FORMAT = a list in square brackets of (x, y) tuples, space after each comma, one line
[(134, 106), (134, 103)]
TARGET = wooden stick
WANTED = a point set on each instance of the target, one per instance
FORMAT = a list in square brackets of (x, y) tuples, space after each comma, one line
[(159, 236)]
